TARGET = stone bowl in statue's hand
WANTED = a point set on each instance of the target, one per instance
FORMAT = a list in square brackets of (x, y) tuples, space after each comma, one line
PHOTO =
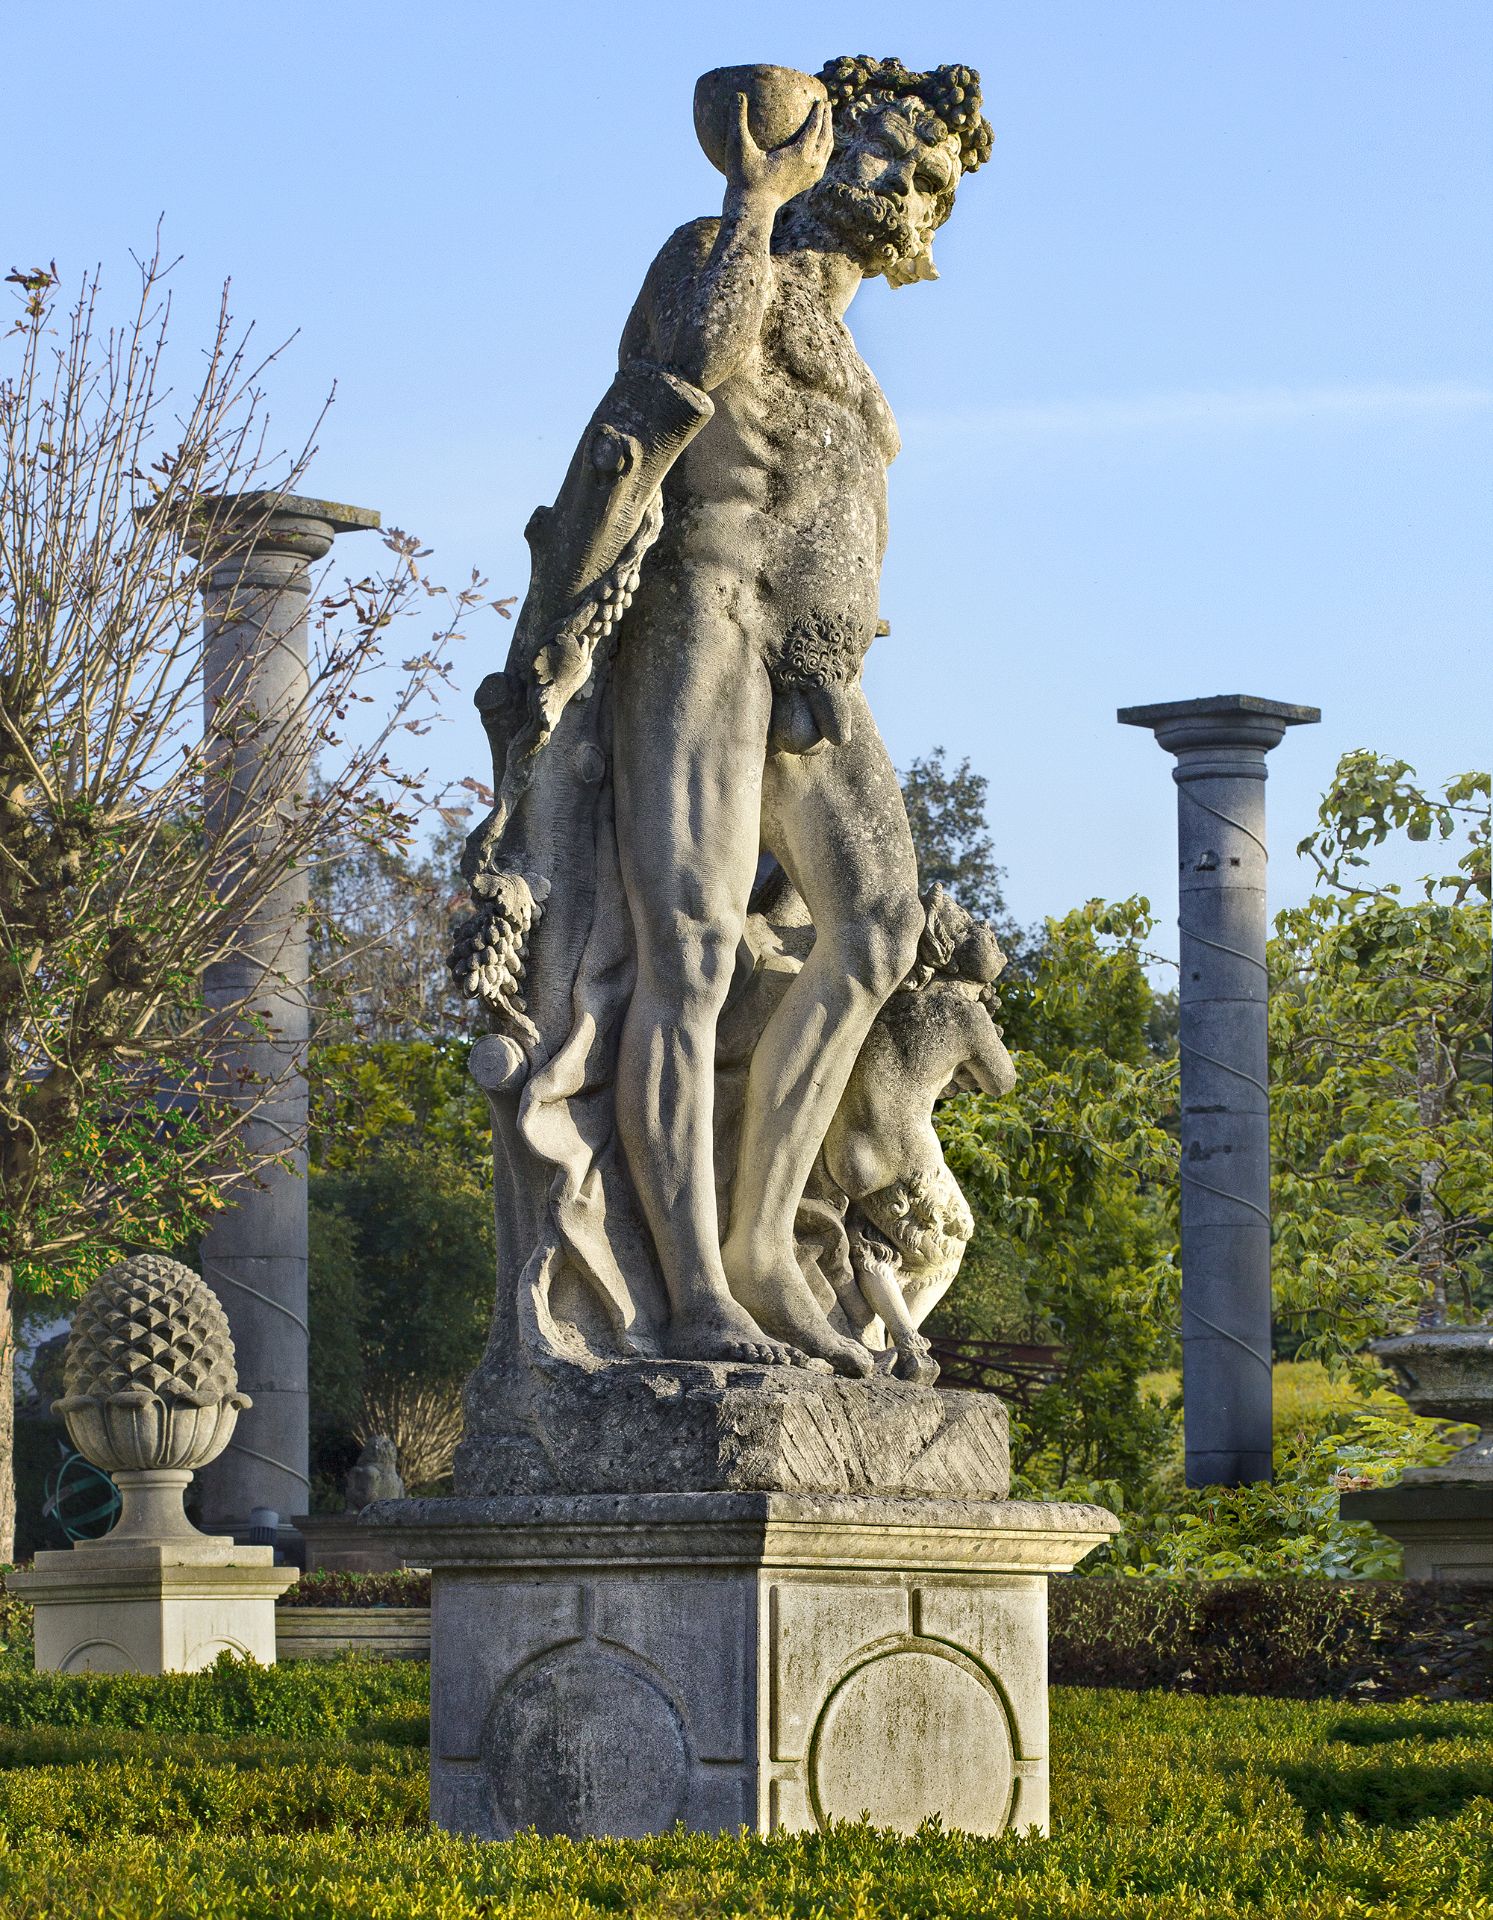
[(779, 102)]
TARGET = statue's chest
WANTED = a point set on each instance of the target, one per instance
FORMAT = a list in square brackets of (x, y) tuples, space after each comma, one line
[(809, 348)]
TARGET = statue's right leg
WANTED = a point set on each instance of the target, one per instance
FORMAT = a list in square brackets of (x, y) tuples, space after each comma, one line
[(692, 704)]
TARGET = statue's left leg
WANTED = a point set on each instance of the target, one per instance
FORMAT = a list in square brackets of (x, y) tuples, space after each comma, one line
[(836, 821)]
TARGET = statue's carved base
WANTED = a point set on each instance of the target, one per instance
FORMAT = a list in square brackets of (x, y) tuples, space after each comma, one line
[(688, 1427), (612, 1664)]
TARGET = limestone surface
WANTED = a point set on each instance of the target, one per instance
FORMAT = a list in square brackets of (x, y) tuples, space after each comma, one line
[(720, 1010), (614, 1665), (149, 1376), (663, 1426)]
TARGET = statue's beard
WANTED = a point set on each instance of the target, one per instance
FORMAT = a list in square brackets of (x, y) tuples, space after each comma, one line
[(872, 228)]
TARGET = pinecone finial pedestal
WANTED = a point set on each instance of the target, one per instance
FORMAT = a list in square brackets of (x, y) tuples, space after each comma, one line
[(151, 1395)]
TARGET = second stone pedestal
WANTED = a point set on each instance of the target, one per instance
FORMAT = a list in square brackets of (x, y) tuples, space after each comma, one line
[(609, 1664), (108, 1606)]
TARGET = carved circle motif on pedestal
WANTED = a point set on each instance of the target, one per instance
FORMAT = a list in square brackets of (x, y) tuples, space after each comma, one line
[(581, 1742), (914, 1731)]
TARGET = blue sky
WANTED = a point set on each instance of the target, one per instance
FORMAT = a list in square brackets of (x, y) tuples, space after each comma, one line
[(1202, 403)]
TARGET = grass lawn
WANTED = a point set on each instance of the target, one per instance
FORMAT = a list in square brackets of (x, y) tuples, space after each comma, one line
[(298, 1798)]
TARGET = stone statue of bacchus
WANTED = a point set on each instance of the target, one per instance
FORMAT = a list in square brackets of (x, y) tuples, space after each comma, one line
[(712, 1517), (682, 715)]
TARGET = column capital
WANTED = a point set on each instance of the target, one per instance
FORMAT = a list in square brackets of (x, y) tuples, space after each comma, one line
[(1219, 720), (264, 521)]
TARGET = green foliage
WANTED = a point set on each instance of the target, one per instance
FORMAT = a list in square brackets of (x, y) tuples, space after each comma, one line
[(1382, 1793), (1073, 1179), (364, 1748), (330, 1587), (320, 1699), (370, 1097), (381, 931), (1382, 1111), (335, 1314), (1173, 1808), (1290, 1525), (16, 1639), (946, 812), (189, 1792), (421, 1237), (400, 1280), (1302, 1638)]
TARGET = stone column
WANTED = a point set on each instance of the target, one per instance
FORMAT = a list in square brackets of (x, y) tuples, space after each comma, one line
[(1220, 745), (254, 1255)]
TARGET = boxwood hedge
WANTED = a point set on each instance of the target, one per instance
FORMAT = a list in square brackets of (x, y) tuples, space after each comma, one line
[(1168, 1807), (1304, 1638)]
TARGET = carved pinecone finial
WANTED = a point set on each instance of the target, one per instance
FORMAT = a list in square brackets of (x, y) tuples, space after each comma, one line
[(151, 1324)]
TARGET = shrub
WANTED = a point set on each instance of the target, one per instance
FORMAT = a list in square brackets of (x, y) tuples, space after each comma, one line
[(186, 1793), (1304, 1639), (321, 1698), (330, 1587), (1291, 1524), (16, 1639), (1167, 1808)]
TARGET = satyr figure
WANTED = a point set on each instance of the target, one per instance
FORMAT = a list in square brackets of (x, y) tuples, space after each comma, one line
[(683, 707), (906, 1221)]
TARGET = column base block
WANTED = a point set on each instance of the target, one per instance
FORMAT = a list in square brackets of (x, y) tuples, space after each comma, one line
[(139, 1608), (611, 1664), (340, 1543), (1446, 1528)]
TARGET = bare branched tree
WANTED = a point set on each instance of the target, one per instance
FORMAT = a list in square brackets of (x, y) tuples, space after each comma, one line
[(422, 1418), (123, 877)]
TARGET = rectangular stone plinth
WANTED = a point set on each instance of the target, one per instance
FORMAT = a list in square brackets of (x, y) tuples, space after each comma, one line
[(1445, 1528), (670, 1426), (609, 1665), (340, 1543), (137, 1609)]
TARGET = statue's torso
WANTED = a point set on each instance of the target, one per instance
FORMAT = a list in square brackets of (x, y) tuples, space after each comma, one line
[(780, 503)]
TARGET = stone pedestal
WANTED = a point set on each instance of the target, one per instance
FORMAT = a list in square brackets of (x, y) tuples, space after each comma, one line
[(138, 1607), (340, 1543), (609, 1664), (1445, 1529), (1442, 1516)]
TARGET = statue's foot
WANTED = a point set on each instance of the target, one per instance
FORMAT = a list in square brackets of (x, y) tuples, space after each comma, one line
[(722, 1331), (775, 1293), (915, 1363)]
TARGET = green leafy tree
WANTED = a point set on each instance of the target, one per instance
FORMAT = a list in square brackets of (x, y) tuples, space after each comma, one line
[(1382, 1111), (388, 1062), (1073, 1180), (400, 1284), (369, 1097), (382, 932), (946, 812)]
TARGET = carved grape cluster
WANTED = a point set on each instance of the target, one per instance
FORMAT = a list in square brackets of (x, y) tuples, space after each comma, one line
[(490, 948), (950, 94)]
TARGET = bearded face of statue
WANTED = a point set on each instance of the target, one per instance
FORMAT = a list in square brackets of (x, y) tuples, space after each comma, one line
[(888, 188)]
